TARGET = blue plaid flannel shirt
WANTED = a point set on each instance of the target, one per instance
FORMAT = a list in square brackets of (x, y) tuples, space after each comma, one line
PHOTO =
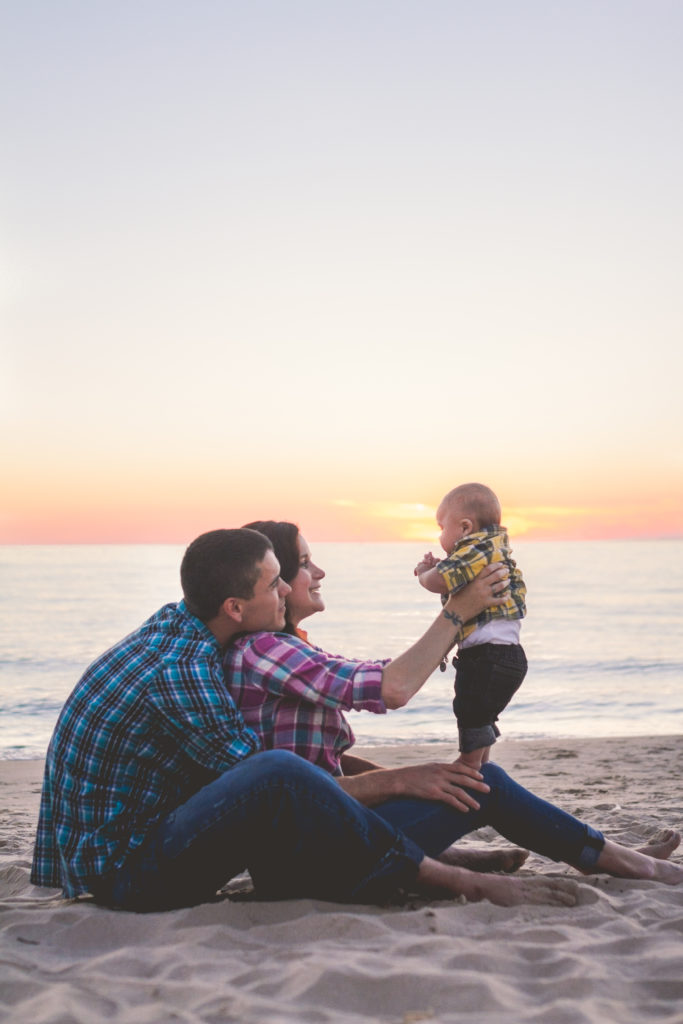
[(149, 723)]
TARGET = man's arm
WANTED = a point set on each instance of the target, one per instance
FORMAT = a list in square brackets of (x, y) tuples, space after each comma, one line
[(191, 699), (442, 782), (351, 764)]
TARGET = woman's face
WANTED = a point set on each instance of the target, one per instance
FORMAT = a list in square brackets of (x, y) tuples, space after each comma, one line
[(305, 598)]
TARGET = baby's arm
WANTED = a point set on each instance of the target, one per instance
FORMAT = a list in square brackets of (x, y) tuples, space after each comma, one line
[(429, 576)]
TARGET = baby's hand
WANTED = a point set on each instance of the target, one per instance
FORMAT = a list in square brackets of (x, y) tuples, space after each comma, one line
[(428, 562)]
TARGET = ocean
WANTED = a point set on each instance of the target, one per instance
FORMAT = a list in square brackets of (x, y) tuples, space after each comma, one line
[(603, 634)]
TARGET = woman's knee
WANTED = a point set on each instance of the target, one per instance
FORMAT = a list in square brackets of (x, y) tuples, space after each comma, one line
[(494, 775)]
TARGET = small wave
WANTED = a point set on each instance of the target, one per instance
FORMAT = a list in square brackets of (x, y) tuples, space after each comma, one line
[(44, 706), (631, 666)]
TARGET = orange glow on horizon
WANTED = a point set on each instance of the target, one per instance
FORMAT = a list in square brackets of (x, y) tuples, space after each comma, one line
[(70, 522), (417, 522), (101, 504)]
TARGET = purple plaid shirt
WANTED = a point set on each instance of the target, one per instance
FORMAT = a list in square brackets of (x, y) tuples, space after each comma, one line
[(293, 695)]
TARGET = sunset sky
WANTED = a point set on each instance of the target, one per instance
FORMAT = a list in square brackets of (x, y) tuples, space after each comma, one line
[(323, 260)]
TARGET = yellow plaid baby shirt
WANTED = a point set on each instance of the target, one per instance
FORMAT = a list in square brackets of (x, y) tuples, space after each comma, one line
[(468, 558)]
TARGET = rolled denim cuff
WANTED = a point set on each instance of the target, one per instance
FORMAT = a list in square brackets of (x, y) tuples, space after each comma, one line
[(588, 857), (397, 869), (474, 737)]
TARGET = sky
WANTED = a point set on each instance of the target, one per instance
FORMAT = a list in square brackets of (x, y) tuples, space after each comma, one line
[(323, 260)]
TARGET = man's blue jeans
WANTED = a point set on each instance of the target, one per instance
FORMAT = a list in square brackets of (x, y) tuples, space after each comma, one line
[(297, 832), (286, 821)]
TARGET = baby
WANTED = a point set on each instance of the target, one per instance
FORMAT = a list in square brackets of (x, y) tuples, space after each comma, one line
[(490, 664)]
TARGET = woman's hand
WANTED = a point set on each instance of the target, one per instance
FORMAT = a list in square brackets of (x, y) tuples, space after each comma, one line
[(488, 588), (403, 677)]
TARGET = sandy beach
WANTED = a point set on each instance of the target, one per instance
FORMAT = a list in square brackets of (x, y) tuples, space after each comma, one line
[(617, 957)]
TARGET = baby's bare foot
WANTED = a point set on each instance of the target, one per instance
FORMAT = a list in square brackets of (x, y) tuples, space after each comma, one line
[(484, 860)]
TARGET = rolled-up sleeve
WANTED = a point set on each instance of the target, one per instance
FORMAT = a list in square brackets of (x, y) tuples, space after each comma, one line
[(289, 667)]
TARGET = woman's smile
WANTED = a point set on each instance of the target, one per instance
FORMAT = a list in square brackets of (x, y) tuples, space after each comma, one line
[(305, 598)]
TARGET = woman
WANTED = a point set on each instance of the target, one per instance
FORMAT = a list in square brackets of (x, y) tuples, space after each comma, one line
[(294, 694), (291, 714)]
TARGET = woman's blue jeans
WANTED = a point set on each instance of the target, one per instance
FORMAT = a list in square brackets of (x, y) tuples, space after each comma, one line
[(297, 832), (511, 810)]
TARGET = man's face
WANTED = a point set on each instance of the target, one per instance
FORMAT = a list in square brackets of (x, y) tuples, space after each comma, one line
[(265, 610)]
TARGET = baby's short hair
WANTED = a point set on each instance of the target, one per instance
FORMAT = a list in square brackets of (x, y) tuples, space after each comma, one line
[(478, 502)]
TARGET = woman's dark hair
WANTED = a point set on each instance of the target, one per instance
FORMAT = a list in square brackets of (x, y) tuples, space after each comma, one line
[(218, 565), (284, 537)]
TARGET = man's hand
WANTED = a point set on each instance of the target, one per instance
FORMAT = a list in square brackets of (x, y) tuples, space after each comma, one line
[(442, 782)]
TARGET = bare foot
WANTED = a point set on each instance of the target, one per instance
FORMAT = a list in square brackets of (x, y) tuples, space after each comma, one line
[(442, 881), (511, 892), (661, 845), (484, 860), (623, 862)]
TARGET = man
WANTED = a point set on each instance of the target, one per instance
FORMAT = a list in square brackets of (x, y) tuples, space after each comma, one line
[(155, 793)]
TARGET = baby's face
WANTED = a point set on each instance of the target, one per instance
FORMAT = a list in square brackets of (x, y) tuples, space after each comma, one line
[(453, 523)]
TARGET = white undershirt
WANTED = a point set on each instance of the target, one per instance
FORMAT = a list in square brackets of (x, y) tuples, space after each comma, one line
[(497, 631)]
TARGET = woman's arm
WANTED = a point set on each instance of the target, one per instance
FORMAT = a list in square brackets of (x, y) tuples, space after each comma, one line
[(405, 675)]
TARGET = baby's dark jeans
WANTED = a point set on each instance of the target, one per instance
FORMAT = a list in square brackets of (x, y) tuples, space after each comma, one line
[(486, 678)]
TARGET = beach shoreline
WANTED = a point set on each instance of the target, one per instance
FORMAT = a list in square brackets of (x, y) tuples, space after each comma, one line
[(616, 956)]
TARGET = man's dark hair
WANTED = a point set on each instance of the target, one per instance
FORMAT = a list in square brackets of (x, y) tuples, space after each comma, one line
[(285, 540), (218, 565)]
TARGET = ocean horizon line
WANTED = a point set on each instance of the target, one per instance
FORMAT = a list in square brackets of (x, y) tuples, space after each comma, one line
[(519, 538)]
